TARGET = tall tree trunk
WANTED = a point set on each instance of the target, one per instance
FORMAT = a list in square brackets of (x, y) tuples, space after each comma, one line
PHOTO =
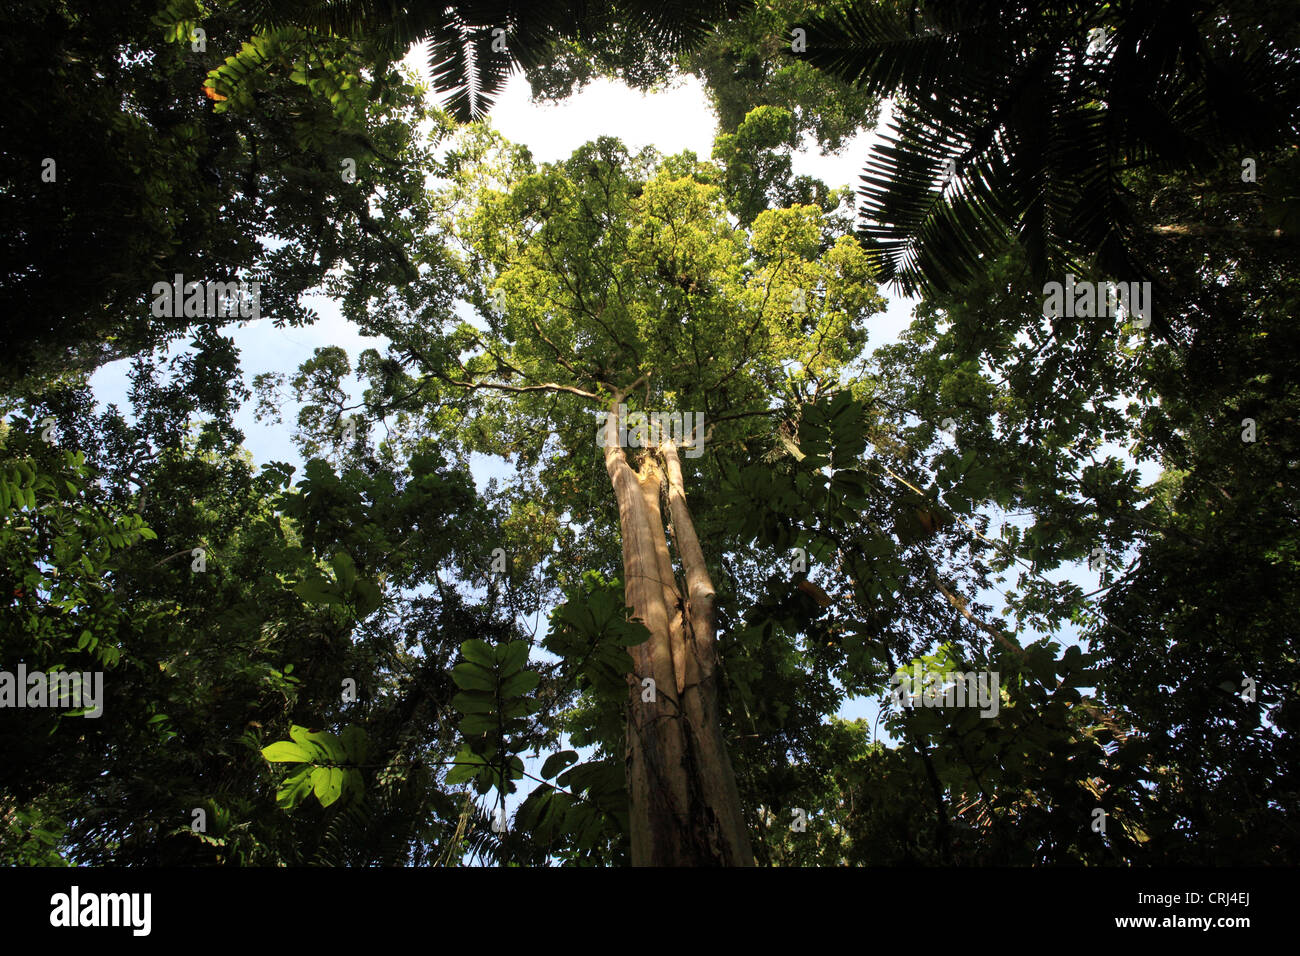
[(685, 808)]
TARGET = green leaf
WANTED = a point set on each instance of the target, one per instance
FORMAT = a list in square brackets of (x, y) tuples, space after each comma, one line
[(521, 707), (478, 652), (512, 656), (327, 782), (467, 765), (519, 684), (304, 737), (472, 725), (629, 634), (294, 789), (474, 702), (470, 676), (557, 762), (368, 596), (355, 744), (284, 751), (318, 591), (354, 784), (330, 745), (345, 571)]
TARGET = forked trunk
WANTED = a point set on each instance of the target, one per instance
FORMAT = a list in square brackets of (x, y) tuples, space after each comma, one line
[(685, 808)]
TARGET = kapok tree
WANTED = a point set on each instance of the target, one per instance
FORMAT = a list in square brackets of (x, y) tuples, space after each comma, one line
[(608, 282)]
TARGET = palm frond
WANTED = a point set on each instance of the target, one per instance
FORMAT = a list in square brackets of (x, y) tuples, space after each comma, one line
[(1042, 112), (893, 48), (466, 68)]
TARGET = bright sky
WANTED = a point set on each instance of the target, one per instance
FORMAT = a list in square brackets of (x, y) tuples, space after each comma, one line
[(671, 120)]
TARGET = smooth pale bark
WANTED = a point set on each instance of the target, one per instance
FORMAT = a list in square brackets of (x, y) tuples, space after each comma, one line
[(684, 805), (700, 697)]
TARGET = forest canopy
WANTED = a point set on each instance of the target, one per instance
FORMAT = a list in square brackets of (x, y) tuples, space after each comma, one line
[(1046, 539)]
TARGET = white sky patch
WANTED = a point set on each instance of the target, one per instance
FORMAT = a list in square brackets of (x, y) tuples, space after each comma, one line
[(845, 167), (671, 120)]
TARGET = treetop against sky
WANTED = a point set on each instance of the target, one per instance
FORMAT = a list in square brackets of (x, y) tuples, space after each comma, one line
[(299, 473)]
